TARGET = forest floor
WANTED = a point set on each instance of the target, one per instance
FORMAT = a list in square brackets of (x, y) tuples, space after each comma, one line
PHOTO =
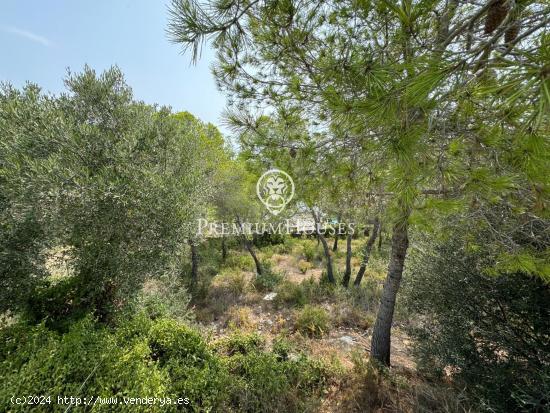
[(232, 304)]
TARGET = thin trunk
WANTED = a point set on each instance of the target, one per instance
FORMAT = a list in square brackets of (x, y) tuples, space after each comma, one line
[(224, 249), (321, 238), (381, 335), (330, 274), (380, 238), (194, 263), (367, 252), (250, 249), (336, 236), (347, 273), (248, 246)]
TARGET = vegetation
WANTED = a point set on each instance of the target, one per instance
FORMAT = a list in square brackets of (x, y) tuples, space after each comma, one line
[(137, 262)]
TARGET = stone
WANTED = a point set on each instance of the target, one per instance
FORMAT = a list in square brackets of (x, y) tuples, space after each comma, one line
[(347, 340)]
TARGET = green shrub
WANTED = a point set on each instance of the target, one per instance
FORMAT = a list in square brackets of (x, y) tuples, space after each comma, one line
[(310, 251), (312, 321), (240, 318), (314, 291), (241, 343), (268, 280), (164, 297), (59, 304), (169, 339), (35, 360), (235, 282), (490, 330), (155, 358), (284, 248), (303, 266), (324, 281), (20, 268), (290, 293), (367, 295), (267, 252), (346, 315), (266, 383), (239, 261), (282, 347)]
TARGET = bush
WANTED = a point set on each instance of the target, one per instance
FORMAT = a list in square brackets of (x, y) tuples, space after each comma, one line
[(303, 266), (35, 360), (235, 282), (277, 258), (239, 261), (490, 331), (282, 347), (241, 343), (267, 382), (310, 251), (367, 295), (58, 304), (346, 315), (290, 293), (268, 280), (169, 339), (284, 248), (156, 358), (240, 318), (317, 292), (312, 321), (267, 239), (370, 388), (224, 292), (165, 297)]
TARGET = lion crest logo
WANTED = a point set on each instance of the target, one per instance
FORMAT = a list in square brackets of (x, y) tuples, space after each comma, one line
[(275, 189)]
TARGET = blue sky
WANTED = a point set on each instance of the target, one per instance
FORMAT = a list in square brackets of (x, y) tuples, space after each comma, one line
[(40, 39)]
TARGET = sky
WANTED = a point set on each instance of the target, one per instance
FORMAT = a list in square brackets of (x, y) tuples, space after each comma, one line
[(40, 39)]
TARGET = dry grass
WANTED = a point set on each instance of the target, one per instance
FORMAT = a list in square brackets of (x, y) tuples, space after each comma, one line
[(241, 318), (304, 266), (367, 388), (276, 259), (339, 337), (345, 315), (226, 289)]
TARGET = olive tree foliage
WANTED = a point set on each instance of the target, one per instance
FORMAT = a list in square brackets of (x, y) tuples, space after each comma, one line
[(213, 155), (117, 182), (28, 121), (438, 95)]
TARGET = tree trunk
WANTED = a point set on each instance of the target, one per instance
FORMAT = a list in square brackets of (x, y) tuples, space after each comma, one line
[(336, 236), (381, 335), (330, 274), (194, 263), (321, 238), (250, 249), (380, 239), (347, 273), (366, 252), (224, 249)]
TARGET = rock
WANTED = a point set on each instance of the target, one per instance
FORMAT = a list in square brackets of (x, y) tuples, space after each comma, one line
[(270, 296), (347, 340)]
